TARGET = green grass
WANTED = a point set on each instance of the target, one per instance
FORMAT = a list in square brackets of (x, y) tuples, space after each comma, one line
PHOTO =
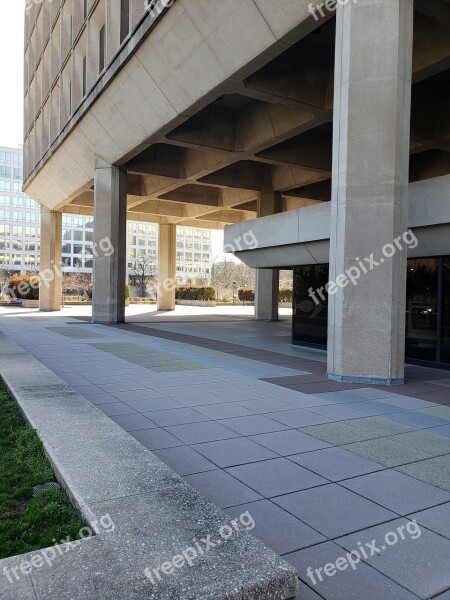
[(28, 523)]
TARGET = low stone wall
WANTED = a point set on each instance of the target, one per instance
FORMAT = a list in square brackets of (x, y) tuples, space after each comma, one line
[(196, 302), (157, 516)]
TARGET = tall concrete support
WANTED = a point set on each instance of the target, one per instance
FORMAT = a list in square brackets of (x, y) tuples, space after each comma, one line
[(267, 280), (110, 229), (366, 334), (50, 287), (167, 253)]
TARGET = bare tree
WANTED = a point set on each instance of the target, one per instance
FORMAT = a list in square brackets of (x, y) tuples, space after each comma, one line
[(5, 276), (75, 283), (145, 275), (222, 276)]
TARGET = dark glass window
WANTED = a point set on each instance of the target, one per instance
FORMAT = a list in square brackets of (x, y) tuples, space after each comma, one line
[(84, 77), (422, 309), (101, 63), (124, 19), (445, 338), (310, 317)]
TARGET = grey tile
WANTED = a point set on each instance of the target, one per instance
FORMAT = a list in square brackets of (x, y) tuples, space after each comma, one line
[(419, 562), (276, 528), (155, 439), (417, 419), (344, 397), (175, 416), (370, 393), (224, 411), (229, 453), (253, 425), (289, 442), (276, 477), (197, 433), (115, 408), (442, 430), (184, 460), (348, 584), (266, 405), (396, 491), (306, 593), (299, 418), (332, 510), (407, 402), (133, 422), (152, 404), (222, 489), (100, 398), (337, 412), (437, 519), (336, 463)]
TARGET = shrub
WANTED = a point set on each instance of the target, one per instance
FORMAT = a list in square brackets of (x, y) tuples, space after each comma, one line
[(285, 294), (246, 294), (24, 287), (127, 292), (195, 292)]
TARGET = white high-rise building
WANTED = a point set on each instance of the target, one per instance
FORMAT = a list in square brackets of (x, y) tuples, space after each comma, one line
[(20, 234)]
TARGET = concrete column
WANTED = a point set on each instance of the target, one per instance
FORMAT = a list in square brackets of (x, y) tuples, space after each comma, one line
[(110, 231), (50, 288), (167, 255), (366, 333), (267, 280)]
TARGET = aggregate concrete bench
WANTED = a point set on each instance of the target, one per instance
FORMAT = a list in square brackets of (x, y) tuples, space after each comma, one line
[(156, 514)]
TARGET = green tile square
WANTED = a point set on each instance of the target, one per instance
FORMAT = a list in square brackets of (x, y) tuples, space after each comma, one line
[(387, 452), (435, 471), (431, 443)]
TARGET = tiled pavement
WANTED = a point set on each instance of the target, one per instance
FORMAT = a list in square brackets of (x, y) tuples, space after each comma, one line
[(323, 468)]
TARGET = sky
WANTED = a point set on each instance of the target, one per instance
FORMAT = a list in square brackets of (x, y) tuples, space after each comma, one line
[(11, 68)]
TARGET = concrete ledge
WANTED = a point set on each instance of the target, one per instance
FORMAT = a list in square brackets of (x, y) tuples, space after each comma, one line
[(366, 380), (156, 513)]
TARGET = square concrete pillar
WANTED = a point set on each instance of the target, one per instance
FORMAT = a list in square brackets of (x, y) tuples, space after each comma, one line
[(167, 254), (50, 287), (267, 280), (366, 333), (110, 239)]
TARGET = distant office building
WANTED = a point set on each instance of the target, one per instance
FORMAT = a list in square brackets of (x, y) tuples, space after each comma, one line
[(20, 234)]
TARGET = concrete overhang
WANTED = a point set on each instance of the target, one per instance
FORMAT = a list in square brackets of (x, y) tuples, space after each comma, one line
[(302, 236)]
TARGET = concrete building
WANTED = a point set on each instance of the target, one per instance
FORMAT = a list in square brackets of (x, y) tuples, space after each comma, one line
[(20, 234), (321, 132)]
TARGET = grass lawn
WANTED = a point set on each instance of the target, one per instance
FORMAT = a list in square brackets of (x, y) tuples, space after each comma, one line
[(28, 523)]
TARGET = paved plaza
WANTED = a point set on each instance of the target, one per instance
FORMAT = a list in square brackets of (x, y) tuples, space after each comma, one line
[(252, 422)]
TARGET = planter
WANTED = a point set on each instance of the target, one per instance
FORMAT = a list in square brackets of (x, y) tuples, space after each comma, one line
[(30, 303), (285, 304), (196, 302)]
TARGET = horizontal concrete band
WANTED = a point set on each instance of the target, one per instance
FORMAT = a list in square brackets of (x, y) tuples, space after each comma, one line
[(366, 380), (156, 514), (301, 236)]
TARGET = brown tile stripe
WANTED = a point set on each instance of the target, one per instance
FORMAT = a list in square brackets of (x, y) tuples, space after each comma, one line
[(267, 356), (314, 383)]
